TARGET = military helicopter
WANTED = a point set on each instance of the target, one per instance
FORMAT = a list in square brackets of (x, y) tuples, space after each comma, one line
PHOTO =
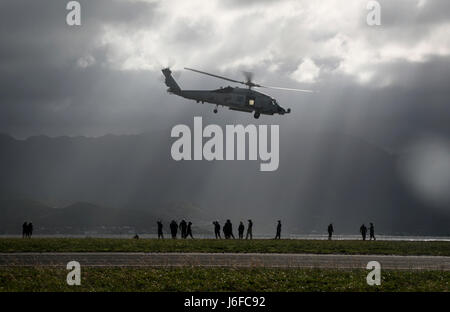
[(238, 99)]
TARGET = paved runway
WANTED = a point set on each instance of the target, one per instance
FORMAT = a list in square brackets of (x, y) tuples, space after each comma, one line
[(107, 259)]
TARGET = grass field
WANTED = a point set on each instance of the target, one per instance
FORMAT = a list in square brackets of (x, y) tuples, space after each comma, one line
[(219, 246), (218, 279)]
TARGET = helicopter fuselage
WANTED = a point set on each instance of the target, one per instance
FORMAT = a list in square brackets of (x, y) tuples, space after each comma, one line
[(239, 99)]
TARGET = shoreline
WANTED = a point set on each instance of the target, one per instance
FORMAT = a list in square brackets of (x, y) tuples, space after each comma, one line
[(343, 237)]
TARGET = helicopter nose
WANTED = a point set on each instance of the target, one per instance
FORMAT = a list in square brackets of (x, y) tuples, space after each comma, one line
[(283, 111)]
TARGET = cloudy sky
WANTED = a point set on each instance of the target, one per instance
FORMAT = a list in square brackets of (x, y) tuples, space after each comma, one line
[(387, 84)]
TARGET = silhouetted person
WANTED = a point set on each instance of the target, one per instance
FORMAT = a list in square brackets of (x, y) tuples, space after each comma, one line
[(330, 231), (24, 230), (30, 229), (249, 230), (183, 226), (372, 231), (363, 230), (136, 236), (160, 230), (217, 229), (241, 230), (189, 230), (278, 235), (173, 229), (228, 229), (231, 229)]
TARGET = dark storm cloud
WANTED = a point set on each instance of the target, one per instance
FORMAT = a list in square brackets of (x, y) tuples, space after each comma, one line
[(71, 80), (394, 115), (42, 86), (386, 86), (37, 31), (413, 13)]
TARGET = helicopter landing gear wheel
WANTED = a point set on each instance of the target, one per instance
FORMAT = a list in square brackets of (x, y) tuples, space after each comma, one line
[(256, 115)]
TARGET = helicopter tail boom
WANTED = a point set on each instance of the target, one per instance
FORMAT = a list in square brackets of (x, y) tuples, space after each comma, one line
[(170, 82)]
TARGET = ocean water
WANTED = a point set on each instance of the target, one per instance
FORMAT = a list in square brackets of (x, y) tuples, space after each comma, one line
[(380, 237)]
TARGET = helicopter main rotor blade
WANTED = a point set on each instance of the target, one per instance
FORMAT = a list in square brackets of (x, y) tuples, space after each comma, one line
[(289, 89), (212, 75), (249, 81)]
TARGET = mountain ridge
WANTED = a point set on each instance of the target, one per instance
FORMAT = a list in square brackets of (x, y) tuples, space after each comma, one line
[(322, 178)]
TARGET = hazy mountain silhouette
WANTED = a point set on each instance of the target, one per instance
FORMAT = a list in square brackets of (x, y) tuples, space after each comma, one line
[(76, 218), (322, 178)]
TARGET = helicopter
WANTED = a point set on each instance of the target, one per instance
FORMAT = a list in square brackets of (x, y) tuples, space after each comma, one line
[(235, 98)]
